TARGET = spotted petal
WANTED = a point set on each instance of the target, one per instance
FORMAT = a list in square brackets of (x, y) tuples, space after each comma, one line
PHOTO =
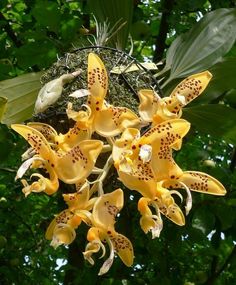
[(197, 181), (106, 208), (36, 140), (165, 134), (46, 130), (164, 166), (111, 121), (77, 164), (97, 82), (140, 178), (123, 247), (65, 217), (167, 206), (78, 200), (190, 88)]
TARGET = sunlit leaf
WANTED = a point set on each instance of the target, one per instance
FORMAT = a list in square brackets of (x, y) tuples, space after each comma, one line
[(203, 45), (20, 93)]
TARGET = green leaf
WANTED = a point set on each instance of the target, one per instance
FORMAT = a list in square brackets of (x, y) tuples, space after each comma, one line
[(3, 103), (204, 45), (214, 119), (223, 80), (20, 93)]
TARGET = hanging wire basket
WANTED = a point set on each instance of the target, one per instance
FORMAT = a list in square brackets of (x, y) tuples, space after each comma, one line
[(126, 77)]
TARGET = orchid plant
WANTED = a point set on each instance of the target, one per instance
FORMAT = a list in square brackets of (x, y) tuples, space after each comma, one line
[(140, 148)]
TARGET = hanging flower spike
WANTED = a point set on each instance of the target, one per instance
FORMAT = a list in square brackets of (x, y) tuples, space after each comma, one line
[(71, 167), (62, 229), (142, 161), (154, 109), (104, 212), (197, 181)]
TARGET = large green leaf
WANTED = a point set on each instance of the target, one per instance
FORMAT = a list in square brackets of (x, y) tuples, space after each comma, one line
[(214, 119), (20, 93), (114, 11), (203, 45), (223, 80)]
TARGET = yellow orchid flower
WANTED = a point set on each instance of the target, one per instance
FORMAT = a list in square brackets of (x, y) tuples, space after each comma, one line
[(48, 185), (163, 203), (72, 166), (141, 161), (105, 119), (62, 229), (154, 109), (104, 212)]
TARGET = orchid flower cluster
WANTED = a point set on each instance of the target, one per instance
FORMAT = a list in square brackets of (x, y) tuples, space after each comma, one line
[(139, 147)]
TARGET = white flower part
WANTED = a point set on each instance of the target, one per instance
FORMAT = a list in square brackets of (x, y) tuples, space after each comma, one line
[(51, 91), (25, 166), (109, 261), (28, 154), (80, 93), (145, 153), (189, 200), (181, 99)]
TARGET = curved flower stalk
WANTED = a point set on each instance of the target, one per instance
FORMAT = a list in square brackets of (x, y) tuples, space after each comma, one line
[(141, 161), (62, 229), (105, 119), (72, 166), (104, 212), (154, 109)]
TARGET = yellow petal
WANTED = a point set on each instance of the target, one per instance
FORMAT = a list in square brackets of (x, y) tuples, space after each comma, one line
[(76, 165), (123, 247), (167, 206), (140, 179), (199, 182), (164, 166), (36, 140), (65, 217), (106, 208), (111, 121), (72, 137), (165, 134), (124, 143), (191, 87), (62, 234), (97, 82), (46, 130), (78, 200), (148, 104)]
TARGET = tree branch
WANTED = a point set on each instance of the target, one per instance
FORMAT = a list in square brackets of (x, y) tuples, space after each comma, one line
[(160, 45)]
